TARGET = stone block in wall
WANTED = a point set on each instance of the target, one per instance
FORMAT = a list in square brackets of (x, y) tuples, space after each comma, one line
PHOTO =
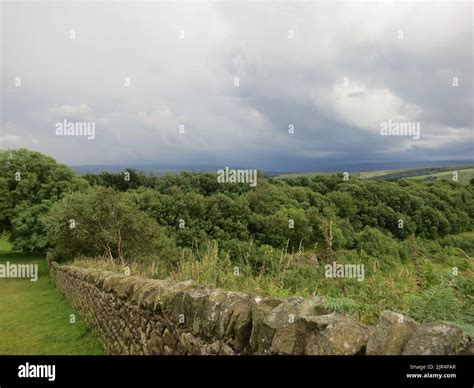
[(235, 320), (278, 332), (169, 339), (166, 299), (260, 308), (154, 344), (187, 307), (192, 345), (313, 306), (334, 334), (110, 281), (126, 286), (93, 276), (84, 273), (207, 313), (391, 334), (99, 282), (467, 350), (146, 293), (437, 338), (281, 329)]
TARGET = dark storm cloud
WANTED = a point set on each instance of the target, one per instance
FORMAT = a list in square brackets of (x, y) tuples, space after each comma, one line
[(348, 68)]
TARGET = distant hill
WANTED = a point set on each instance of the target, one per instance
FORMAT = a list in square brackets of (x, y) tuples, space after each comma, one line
[(366, 170), (150, 169)]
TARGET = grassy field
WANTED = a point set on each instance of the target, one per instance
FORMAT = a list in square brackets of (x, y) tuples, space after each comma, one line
[(356, 174), (377, 173), (35, 317), (465, 173)]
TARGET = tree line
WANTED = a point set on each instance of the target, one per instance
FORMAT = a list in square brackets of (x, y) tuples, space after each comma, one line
[(44, 204)]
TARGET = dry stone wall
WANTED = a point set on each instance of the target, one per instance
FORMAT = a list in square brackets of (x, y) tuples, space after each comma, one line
[(132, 315)]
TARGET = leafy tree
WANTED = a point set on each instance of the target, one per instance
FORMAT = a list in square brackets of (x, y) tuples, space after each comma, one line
[(129, 178), (30, 183), (345, 204)]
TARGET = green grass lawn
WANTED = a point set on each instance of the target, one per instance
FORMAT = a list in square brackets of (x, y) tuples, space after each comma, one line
[(35, 316)]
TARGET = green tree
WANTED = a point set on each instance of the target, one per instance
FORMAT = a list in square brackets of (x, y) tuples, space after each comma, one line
[(29, 185), (100, 222)]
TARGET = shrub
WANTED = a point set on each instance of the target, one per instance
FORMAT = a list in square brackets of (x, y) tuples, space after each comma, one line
[(100, 222), (466, 243), (378, 245)]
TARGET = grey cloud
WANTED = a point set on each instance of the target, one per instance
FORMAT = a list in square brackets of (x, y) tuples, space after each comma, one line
[(282, 81)]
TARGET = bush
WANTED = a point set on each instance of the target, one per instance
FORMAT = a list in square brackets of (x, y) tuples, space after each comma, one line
[(100, 222), (466, 243), (378, 245)]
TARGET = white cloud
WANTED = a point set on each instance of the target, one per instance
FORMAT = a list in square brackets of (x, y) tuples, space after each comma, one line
[(360, 106)]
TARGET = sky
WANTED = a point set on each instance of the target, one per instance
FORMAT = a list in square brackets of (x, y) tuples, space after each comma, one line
[(316, 82)]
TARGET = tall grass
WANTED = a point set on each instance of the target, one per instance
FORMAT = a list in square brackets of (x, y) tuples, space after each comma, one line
[(280, 273)]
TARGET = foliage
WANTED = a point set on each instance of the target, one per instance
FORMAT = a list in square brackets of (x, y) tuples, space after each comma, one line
[(100, 222), (29, 184), (437, 302), (278, 235), (263, 214)]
